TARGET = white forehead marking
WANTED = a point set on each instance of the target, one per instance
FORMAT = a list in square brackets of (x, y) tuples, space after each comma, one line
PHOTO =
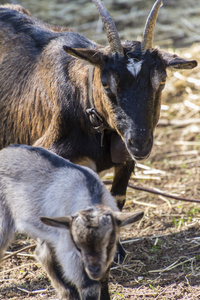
[(134, 67)]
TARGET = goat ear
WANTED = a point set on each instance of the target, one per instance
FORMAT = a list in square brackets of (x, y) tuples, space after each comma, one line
[(124, 219), (62, 222), (174, 61), (89, 55)]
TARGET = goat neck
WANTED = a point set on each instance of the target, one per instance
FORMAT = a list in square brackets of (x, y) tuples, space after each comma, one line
[(96, 120)]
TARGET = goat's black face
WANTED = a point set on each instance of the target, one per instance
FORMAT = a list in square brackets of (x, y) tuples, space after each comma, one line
[(133, 85), (127, 90)]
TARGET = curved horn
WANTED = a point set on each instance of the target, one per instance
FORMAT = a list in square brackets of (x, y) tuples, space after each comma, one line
[(110, 29), (147, 40)]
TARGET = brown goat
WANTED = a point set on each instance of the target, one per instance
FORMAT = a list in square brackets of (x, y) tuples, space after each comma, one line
[(96, 106)]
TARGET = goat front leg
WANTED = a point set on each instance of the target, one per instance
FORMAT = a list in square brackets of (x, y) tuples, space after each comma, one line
[(120, 182), (91, 291), (96, 291), (104, 288), (45, 255)]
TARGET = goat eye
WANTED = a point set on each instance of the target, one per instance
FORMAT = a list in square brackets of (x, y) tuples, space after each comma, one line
[(107, 89), (106, 86), (163, 81), (108, 92)]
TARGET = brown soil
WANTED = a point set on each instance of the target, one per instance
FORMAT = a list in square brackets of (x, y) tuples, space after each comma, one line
[(163, 250)]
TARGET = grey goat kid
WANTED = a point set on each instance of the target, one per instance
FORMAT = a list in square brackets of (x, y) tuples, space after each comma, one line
[(78, 245)]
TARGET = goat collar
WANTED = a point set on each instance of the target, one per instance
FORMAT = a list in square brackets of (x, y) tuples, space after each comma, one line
[(118, 150), (97, 122)]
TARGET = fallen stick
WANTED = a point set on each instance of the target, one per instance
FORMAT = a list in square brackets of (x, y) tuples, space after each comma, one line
[(18, 251), (136, 187), (34, 292), (19, 267)]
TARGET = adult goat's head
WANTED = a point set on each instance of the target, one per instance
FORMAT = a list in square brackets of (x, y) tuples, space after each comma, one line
[(128, 81)]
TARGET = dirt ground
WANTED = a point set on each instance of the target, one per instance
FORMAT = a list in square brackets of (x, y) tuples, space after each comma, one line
[(163, 249)]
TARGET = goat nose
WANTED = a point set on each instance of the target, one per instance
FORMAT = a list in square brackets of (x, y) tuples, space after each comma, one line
[(140, 145), (140, 142), (94, 269)]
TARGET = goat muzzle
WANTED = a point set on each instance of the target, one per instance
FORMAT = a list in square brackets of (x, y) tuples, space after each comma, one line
[(139, 146)]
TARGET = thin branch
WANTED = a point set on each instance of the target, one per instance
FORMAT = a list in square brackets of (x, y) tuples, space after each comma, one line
[(19, 267), (156, 192), (173, 265), (163, 194), (18, 251)]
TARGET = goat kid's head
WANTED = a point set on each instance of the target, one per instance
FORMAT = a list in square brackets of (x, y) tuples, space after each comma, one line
[(130, 79), (95, 233)]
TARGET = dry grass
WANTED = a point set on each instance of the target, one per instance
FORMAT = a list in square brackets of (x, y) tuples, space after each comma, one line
[(177, 26), (163, 249)]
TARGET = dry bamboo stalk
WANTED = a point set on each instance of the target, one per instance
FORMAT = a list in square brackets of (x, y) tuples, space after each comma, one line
[(188, 161), (178, 123), (34, 292), (23, 290), (182, 153), (166, 201), (186, 143), (145, 204), (146, 177)]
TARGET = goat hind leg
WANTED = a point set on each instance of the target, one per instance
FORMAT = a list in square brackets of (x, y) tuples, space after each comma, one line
[(7, 229)]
